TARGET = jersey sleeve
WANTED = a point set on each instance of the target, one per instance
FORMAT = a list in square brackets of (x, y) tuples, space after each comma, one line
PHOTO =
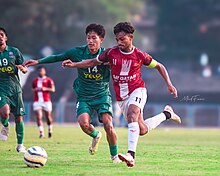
[(149, 61), (103, 57), (51, 83), (19, 58)]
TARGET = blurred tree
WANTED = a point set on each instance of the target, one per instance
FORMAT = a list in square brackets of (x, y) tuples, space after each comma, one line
[(188, 28), (32, 24)]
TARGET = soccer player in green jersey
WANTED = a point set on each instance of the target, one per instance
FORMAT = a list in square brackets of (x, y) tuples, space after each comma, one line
[(10, 90), (91, 87)]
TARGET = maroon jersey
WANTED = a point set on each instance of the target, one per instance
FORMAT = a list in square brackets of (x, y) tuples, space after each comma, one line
[(38, 83), (125, 69)]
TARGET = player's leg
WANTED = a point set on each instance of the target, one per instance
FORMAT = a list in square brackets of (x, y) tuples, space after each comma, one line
[(49, 123), (39, 118), (111, 136), (48, 114), (17, 109), (4, 114), (133, 113), (84, 112), (84, 122), (19, 128), (167, 114), (37, 107)]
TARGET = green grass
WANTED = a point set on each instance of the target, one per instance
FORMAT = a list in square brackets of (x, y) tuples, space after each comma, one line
[(162, 152)]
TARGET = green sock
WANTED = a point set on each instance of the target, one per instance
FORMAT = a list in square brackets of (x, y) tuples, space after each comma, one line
[(113, 149), (19, 128), (94, 133), (4, 122)]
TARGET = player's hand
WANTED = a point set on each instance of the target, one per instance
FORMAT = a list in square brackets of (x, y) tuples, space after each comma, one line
[(22, 68), (172, 90), (30, 63), (68, 64)]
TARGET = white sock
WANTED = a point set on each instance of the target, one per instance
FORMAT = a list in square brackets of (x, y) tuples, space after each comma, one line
[(133, 135), (50, 128), (41, 129), (154, 121)]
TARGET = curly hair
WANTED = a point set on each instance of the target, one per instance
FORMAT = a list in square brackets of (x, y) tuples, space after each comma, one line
[(2, 29), (98, 28), (124, 27)]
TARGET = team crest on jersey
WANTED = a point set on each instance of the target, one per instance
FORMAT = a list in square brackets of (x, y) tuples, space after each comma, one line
[(11, 55)]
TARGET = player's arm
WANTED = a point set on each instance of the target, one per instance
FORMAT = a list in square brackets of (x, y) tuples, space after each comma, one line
[(102, 58), (163, 72), (46, 60), (49, 89), (83, 64)]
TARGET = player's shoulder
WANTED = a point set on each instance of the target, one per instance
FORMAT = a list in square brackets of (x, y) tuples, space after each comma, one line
[(141, 53), (12, 49), (49, 79), (112, 49), (76, 49)]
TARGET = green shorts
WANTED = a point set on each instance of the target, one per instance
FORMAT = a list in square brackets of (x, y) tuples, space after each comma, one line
[(101, 105), (15, 103)]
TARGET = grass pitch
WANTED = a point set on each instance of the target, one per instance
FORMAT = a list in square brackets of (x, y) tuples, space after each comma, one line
[(162, 152)]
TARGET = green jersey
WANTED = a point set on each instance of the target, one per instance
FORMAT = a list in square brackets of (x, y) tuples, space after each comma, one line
[(91, 83), (9, 79)]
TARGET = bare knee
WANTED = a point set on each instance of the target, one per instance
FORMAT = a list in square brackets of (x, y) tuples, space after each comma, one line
[(132, 115), (84, 125), (5, 112), (108, 127)]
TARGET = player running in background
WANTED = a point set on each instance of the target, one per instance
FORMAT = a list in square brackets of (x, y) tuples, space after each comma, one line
[(126, 61), (92, 89), (10, 90), (42, 87)]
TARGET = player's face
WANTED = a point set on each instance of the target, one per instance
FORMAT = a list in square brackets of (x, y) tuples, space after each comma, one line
[(124, 41), (41, 72), (3, 38), (94, 42)]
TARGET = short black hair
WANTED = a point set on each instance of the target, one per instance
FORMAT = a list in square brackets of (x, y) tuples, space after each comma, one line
[(40, 67), (3, 29), (124, 27), (98, 28)]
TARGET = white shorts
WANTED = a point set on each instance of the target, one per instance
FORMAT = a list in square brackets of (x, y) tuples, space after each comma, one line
[(138, 97), (46, 106)]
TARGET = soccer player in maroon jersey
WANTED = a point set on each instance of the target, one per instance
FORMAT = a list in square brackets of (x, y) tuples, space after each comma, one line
[(42, 87), (126, 61)]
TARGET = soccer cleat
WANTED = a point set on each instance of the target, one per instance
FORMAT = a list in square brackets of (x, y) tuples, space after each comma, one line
[(41, 136), (49, 135), (115, 159), (127, 158), (4, 132), (174, 116), (95, 144), (21, 148)]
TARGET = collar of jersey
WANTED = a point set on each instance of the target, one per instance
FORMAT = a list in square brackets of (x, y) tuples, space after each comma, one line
[(88, 52), (6, 48), (128, 52)]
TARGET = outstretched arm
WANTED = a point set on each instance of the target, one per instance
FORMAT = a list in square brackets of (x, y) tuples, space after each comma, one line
[(163, 71), (83, 64), (45, 60)]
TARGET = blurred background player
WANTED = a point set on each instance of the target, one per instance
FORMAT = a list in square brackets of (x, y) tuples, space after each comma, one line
[(126, 61), (10, 90), (92, 89), (42, 87)]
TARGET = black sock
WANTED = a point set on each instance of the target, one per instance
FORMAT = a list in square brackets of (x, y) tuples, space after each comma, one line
[(167, 114), (132, 153)]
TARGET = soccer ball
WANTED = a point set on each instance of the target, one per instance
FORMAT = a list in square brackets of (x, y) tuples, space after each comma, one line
[(35, 157)]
